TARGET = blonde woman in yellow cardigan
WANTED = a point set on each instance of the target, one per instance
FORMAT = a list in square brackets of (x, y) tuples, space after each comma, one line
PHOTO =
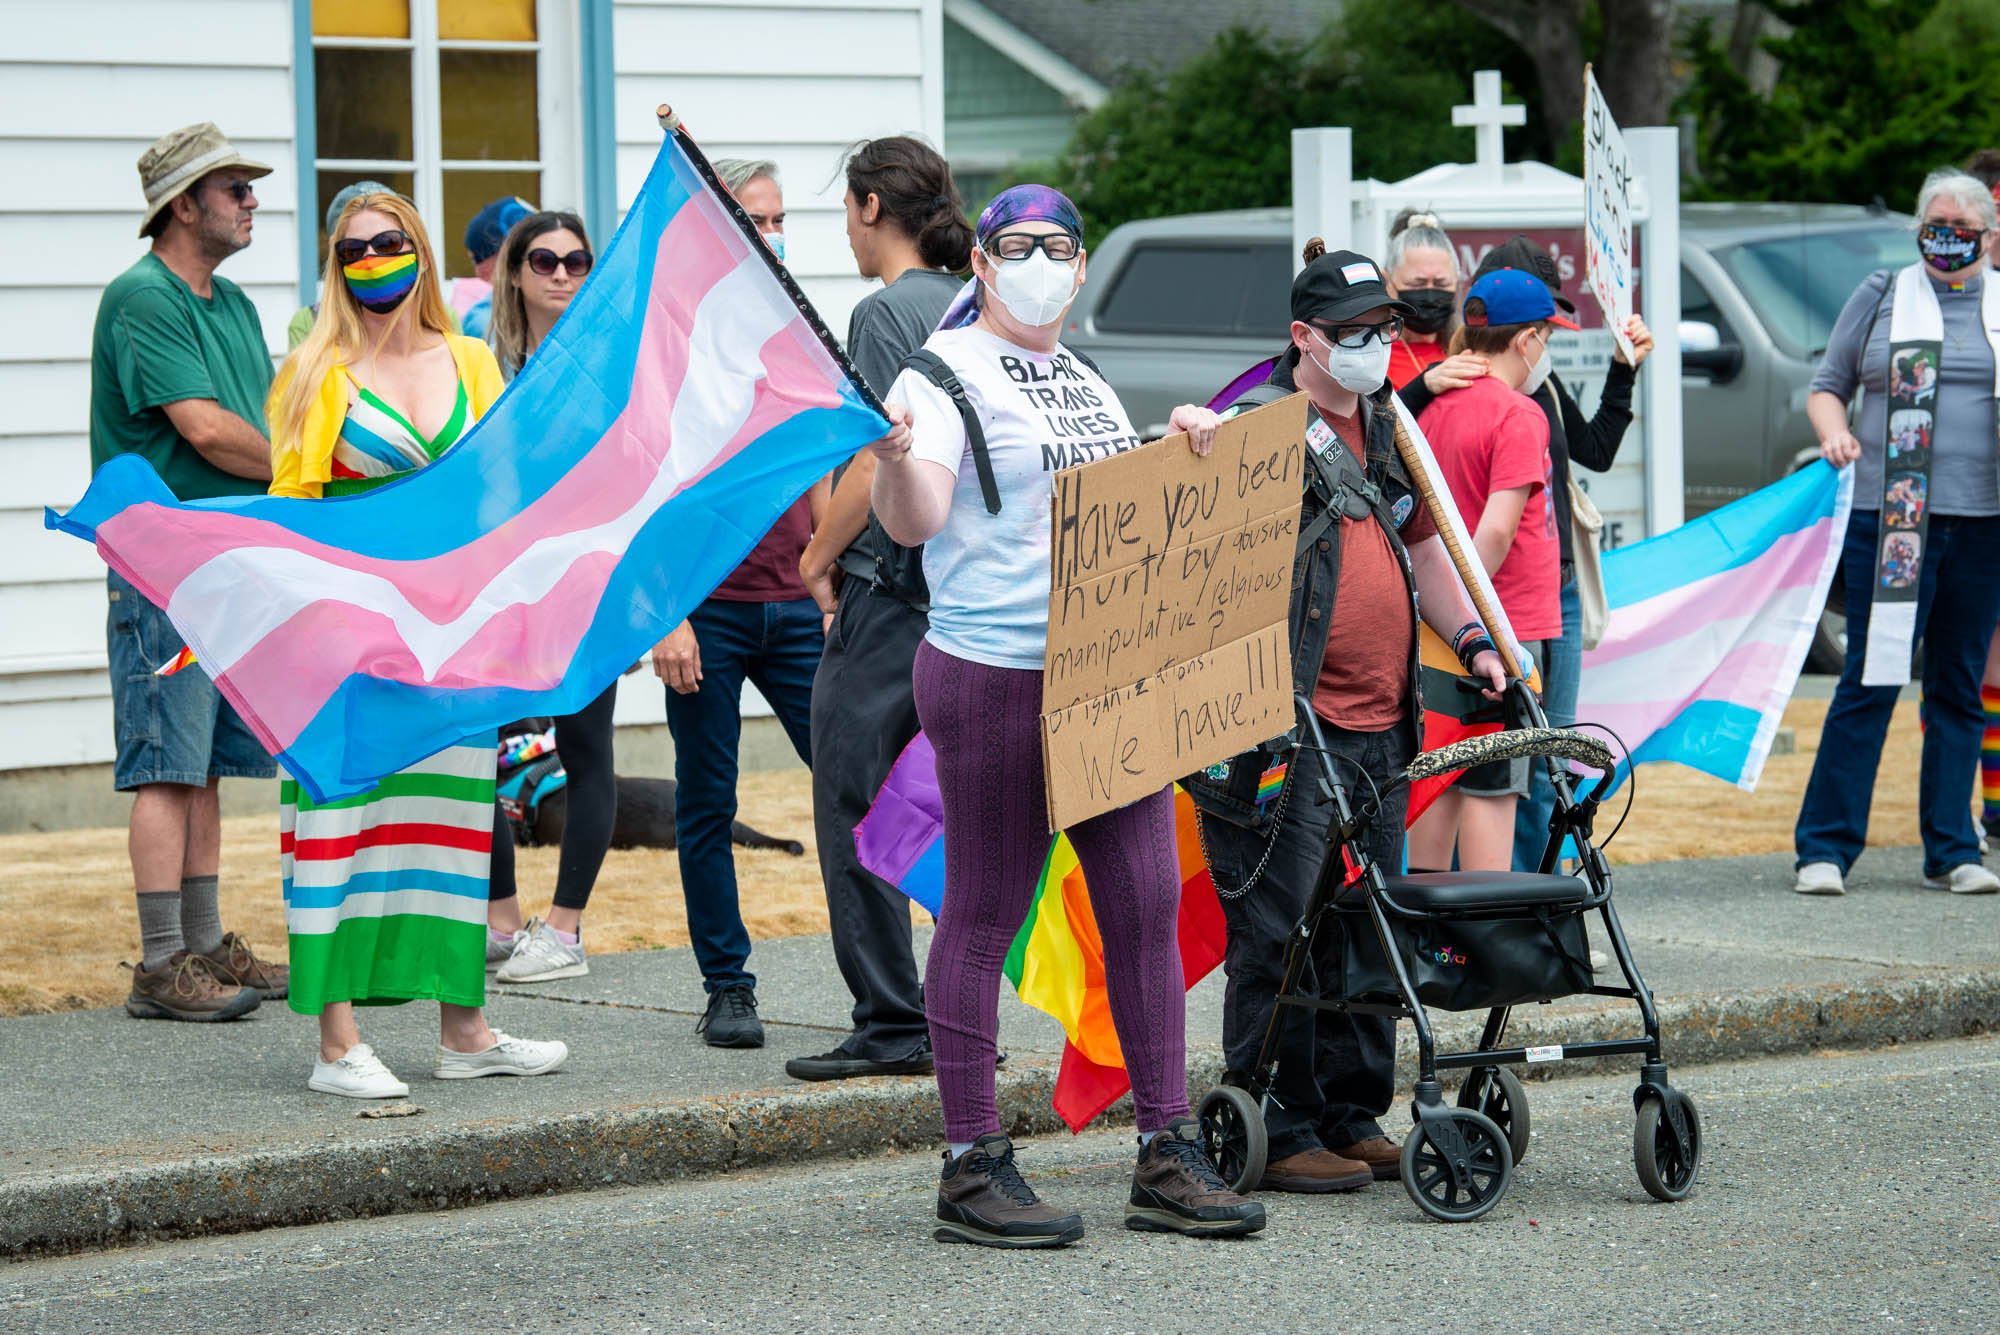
[(385, 892)]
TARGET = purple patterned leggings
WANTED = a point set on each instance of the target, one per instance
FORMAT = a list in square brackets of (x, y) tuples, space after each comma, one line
[(985, 725)]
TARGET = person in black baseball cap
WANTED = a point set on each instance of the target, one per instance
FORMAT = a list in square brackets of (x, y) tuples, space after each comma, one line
[(1368, 554), (1593, 443)]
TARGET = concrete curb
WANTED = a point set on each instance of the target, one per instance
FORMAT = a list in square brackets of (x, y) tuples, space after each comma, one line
[(465, 1165)]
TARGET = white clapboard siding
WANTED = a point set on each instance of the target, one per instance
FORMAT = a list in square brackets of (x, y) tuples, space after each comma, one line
[(795, 81), (85, 86)]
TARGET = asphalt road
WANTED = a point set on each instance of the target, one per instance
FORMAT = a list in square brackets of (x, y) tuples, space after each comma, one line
[(1839, 1193)]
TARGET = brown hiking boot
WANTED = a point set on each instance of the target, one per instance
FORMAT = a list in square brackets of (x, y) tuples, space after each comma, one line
[(1175, 1189), (1315, 1170), (1382, 1155), (234, 962), (982, 1199), (186, 988)]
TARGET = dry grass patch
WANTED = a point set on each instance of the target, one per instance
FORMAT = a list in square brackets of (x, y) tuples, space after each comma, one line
[(74, 887)]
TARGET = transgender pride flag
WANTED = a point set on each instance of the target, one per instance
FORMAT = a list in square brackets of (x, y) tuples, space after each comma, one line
[(1710, 624), (687, 397)]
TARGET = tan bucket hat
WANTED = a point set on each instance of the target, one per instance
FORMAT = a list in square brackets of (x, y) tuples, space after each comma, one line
[(178, 159)]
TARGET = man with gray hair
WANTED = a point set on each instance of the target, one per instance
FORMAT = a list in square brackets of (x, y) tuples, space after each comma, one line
[(178, 376), (759, 625)]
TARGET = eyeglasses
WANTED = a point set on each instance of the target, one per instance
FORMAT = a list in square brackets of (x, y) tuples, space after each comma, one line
[(1359, 335), (1058, 246), (240, 191), (544, 261), (395, 241)]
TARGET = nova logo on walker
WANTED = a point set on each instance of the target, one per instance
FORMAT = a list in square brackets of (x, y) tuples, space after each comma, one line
[(1447, 955)]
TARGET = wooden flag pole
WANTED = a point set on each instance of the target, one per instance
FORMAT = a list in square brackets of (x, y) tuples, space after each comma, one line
[(1444, 516)]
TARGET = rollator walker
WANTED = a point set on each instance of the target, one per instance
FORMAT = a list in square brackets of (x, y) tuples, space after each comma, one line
[(1462, 941)]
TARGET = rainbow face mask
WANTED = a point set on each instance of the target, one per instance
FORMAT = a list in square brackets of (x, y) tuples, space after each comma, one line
[(381, 282)]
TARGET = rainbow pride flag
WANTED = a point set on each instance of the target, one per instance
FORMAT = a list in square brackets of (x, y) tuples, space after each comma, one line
[(685, 400), (1056, 963)]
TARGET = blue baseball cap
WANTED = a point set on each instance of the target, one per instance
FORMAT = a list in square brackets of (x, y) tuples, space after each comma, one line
[(1512, 296), (489, 227)]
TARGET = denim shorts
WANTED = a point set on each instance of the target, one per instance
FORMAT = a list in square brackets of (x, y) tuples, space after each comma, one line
[(174, 729)]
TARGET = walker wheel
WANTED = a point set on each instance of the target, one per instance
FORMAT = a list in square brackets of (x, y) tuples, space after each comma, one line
[(1438, 1192), (1233, 1136), (1665, 1170), (1496, 1091)]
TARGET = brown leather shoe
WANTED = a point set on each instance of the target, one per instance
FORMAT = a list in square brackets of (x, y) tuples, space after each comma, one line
[(185, 988), (1175, 1189), (234, 962), (1315, 1170), (1382, 1155), (982, 1200)]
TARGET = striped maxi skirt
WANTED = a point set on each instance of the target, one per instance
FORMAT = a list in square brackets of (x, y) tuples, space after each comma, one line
[(385, 891)]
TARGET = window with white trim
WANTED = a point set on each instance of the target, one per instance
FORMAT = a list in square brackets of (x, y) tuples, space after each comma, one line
[(455, 103)]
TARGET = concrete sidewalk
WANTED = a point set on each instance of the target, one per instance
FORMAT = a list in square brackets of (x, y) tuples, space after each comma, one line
[(117, 1130)]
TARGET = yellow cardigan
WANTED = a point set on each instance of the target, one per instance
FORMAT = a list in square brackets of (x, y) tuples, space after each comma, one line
[(305, 471)]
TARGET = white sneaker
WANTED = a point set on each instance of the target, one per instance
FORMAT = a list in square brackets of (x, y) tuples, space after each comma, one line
[(1819, 878), (507, 1056), (359, 1074), (542, 957), (1967, 878), (501, 949)]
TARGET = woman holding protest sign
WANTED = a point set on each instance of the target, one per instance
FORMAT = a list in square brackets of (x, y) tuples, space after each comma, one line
[(385, 892), (1922, 540), (980, 501)]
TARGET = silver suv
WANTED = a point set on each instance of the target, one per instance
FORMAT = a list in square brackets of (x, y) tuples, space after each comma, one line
[(1177, 306)]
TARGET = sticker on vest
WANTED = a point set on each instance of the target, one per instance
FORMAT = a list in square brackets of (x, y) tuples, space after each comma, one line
[(1318, 433), (1270, 782), (1400, 511)]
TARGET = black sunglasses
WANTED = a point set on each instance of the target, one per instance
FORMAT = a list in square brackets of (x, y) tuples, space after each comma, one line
[(544, 261), (240, 191), (395, 241)]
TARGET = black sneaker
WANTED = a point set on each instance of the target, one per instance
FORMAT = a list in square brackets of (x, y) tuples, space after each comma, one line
[(982, 1200), (731, 1019), (840, 1064), (1175, 1189)]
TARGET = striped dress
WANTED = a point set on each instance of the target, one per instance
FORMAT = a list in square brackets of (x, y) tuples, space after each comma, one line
[(385, 891)]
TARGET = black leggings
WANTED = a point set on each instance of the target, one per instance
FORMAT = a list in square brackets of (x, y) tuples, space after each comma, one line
[(583, 740)]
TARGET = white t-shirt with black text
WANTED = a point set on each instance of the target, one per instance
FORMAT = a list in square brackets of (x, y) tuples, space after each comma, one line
[(989, 574)]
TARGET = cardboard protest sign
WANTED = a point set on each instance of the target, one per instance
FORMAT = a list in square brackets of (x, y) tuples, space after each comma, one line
[(1607, 211), (1169, 592)]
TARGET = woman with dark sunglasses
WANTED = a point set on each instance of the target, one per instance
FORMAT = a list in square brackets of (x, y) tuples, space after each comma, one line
[(543, 261), (386, 892)]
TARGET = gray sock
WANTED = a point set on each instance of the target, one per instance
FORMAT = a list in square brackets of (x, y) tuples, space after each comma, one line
[(159, 927), (201, 921)]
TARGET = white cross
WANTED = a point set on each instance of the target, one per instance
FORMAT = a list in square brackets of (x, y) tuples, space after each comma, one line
[(1487, 115)]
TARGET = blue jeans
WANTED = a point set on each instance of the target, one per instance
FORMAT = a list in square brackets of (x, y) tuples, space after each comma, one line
[(1560, 676), (777, 647), (1958, 600), (174, 729)]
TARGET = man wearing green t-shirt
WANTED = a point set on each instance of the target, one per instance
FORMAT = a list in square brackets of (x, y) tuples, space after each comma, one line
[(178, 375)]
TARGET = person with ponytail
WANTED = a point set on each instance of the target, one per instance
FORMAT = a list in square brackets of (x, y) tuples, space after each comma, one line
[(980, 504), (906, 227), (1422, 273), (385, 893)]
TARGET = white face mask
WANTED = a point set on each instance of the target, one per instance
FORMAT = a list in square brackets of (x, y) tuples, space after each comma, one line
[(1359, 370), (1037, 290), (1538, 370)]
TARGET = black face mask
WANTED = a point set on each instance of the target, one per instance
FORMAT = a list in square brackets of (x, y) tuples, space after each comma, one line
[(1431, 308)]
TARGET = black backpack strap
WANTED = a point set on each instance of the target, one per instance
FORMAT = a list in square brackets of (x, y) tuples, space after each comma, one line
[(938, 371)]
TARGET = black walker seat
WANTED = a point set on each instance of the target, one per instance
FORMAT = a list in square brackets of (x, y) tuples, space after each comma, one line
[(1468, 940)]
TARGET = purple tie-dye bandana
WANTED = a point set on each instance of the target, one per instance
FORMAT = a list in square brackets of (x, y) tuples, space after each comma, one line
[(1021, 203)]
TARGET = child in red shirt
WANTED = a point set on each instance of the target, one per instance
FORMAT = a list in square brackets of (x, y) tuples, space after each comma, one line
[(1492, 444)]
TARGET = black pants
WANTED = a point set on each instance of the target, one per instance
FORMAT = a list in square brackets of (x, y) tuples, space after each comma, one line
[(583, 740), (1336, 1072), (864, 712)]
